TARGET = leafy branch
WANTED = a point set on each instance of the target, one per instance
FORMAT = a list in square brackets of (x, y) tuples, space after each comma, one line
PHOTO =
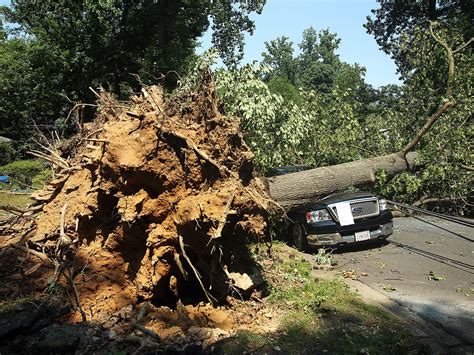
[(447, 101)]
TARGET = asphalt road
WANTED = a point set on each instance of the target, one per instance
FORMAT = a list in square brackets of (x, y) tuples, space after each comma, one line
[(429, 270)]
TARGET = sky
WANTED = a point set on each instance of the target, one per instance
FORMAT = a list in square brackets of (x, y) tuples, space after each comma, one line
[(344, 17)]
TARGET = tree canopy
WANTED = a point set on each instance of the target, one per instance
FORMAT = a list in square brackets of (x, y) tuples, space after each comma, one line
[(57, 50)]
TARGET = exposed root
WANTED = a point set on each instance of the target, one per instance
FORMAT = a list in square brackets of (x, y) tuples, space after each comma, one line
[(155, 201)]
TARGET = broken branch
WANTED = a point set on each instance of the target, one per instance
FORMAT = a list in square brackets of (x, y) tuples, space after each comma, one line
[(196, 273)]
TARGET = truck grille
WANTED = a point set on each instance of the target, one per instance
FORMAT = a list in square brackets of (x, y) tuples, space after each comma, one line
[(361, 208)]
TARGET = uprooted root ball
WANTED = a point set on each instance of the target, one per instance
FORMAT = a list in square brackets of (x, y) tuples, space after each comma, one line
[(157, 203)]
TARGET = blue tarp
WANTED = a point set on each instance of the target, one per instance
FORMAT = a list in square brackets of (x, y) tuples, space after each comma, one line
[(5, 179)]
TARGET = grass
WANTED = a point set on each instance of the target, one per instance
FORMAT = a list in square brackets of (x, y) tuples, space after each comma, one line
[(25, 175), (13, 199), (321, 317)]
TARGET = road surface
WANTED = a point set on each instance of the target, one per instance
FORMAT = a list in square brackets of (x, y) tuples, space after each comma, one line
[(428, 269)]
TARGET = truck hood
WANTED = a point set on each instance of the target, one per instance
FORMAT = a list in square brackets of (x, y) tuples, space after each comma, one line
[(344, 196)]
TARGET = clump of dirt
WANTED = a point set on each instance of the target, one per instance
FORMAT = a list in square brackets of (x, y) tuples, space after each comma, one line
[(155, 204)]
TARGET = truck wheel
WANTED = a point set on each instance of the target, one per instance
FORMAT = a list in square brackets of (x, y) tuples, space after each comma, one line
[(298, 237)]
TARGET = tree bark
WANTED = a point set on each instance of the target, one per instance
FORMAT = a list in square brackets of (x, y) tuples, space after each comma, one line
[(297, 189)]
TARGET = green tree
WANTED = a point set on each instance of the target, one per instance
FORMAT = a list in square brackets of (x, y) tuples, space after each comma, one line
[(402, 29), (105, 41), (283, 87), (57, 50), (317, 67), (279, 57), (30, 91), (3, 34), (230, 20), (395, 25), (318, 61)]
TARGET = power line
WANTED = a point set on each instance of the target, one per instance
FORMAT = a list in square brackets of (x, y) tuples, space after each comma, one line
[(453, 219)]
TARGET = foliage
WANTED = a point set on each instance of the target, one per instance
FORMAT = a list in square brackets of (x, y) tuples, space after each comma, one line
[(401, 30), (103, 42), (336, 118), (283, 87), (284, 125), (317, 67), (323, 257), (26, 174), (30, 90), (57, 50), (395, 26), (279, 57), (7, 153), (230, 19)]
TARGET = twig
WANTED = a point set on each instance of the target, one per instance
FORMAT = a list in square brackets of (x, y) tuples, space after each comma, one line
[(38, 254), (147, 331), (77, 302), (198, 152), (76, 105), (52, 159), (94, 132), (180, 266), (63, 238), (466, 167), (76, 296), (12, 209), (142, 312), (22, 274), (144, 343), (155, 105), (464, 45), (142, 328), (425, 200), (63, 213), (209, 297)]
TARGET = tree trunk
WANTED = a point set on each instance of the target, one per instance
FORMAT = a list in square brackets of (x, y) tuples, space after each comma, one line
[(297, 189)]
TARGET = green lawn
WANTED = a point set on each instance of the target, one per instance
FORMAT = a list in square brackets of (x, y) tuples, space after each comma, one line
[(322, 317), (13, 199)]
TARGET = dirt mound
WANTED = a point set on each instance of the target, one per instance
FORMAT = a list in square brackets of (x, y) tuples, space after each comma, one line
[(156, 202)]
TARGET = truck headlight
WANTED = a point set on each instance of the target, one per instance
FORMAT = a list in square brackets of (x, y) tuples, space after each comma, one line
[(383, 205), (317, 216)]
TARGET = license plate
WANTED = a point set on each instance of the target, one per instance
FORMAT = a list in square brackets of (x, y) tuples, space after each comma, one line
[(360, 236)]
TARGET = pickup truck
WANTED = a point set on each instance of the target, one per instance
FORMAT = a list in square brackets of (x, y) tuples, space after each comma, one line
[(340, 219)]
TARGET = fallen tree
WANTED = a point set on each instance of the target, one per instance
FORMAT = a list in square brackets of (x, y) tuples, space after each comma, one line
[(296, 189)]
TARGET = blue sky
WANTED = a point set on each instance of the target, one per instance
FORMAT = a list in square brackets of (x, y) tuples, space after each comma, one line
[(344, 17)]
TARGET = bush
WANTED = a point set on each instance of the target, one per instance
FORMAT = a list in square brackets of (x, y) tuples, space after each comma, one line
[(40, 179), (26, 174), (7, 153)]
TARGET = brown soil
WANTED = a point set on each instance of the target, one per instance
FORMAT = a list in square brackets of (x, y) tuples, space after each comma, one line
[(155, 205)]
